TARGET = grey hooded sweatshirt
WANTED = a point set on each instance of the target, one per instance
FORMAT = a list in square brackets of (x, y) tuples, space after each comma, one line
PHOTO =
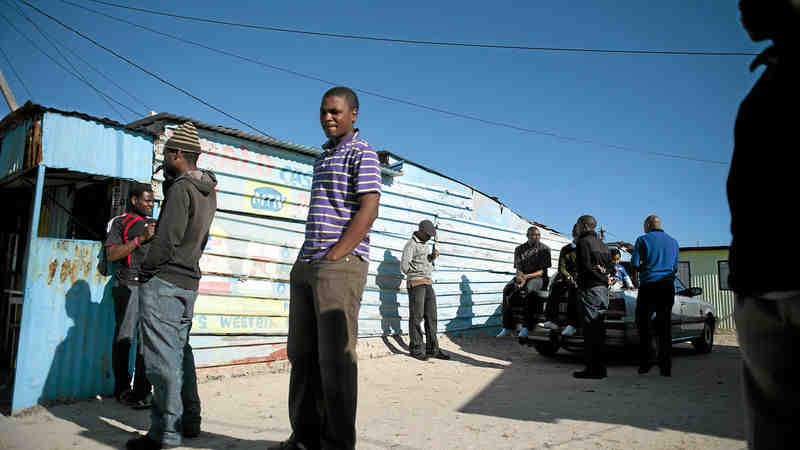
[(182, 230)]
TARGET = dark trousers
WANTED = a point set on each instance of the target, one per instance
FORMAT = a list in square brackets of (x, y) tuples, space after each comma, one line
[(594, 302), (561, 291), (167, 312), (769, 332), (658, 298), (422, 306), (520, 305), (126, 316), (325, 299)]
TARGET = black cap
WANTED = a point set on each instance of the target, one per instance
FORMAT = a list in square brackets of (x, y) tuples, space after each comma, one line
[(427, 226)]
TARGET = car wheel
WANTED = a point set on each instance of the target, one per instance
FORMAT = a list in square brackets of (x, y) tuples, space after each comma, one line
[(546, 348), (705, 342)]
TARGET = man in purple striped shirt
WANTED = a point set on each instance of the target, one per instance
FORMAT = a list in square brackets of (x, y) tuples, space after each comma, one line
[(327, 281)]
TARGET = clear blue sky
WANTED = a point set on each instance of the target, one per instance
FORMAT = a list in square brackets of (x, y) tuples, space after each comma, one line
[(681, 105)]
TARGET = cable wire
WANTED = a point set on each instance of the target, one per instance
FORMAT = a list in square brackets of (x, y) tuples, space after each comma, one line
[(14, 71), (398, 100), (60, 65), (56, 48), (152, 74), (428, 43)]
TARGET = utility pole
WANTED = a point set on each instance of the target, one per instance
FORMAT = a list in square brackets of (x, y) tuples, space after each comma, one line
[(12, 103)]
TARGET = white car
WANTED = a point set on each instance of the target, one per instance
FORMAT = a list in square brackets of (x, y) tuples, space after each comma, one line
[(693, 319)]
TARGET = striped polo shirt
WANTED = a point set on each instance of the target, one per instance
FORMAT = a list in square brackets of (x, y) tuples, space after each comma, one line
[(341, 175)]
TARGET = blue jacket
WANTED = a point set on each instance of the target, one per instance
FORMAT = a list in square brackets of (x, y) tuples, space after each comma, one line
[(655, 255)]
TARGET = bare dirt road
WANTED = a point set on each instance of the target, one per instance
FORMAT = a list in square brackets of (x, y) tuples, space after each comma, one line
[(494, 394)]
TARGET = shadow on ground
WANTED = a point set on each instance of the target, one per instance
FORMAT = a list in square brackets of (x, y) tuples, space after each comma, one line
[(108, 422), (701, 397)]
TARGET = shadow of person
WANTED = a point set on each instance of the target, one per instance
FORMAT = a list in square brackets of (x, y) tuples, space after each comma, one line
[(463, 325), (85, 350), (389, 280)]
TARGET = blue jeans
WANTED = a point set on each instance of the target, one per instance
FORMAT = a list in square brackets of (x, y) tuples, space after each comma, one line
[(166, 318)]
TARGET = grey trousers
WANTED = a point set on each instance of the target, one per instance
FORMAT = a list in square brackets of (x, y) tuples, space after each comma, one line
[(769, 339), (166, 319), (325, 299), (422, 306), (593, 304)]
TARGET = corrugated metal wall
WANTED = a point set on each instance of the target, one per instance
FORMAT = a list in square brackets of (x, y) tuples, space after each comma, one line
[(95, 148), (13, 156), (242, 310), (722, 300), (67, 325)]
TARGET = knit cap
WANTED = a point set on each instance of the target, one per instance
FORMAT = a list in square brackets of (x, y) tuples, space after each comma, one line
[(184, 139)]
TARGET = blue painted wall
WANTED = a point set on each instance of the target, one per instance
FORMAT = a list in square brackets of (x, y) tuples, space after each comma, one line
[(95, 148), (67, 325)]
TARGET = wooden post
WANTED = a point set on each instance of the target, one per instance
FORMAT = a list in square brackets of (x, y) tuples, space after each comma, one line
[(12, 103)]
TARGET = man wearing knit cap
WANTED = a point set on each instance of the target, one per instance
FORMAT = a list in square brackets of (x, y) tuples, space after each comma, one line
[(417, 265), (170, 276)]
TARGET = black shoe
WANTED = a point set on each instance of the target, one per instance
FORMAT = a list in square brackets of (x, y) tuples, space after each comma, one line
[(439, 355), (590, 374), (191, 432), (137, 402), (289, 444), (145, 443), (644, 368), (419, 356)]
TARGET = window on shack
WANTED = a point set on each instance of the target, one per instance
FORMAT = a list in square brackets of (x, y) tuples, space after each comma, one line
[(78, 206), (723, 272)]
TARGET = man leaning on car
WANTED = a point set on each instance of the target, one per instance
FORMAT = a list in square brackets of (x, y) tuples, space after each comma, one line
[(655, 257)]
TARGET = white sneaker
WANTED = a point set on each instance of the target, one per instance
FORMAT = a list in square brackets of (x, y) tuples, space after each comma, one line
[(549, 325), (569, 331), (504, 332), (523, 332)]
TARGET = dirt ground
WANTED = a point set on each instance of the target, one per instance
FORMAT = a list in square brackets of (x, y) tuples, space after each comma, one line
[(493, 394)]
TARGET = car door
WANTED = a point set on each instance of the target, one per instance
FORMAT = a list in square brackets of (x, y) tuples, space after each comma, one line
[(691, 319)]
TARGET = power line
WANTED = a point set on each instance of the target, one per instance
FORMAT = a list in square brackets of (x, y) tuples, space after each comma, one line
[(74, 69), (398, 100), (157, 77), (428, 43), (59, 64), (21, 81)]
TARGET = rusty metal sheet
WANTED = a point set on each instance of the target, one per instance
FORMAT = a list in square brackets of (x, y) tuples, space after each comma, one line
[(67, 325)]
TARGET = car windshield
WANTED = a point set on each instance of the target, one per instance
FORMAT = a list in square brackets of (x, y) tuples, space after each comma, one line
[(679, 285)]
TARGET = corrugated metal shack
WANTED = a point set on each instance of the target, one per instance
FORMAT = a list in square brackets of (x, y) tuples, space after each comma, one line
[(707, 268), (241, 315), (61, 175)]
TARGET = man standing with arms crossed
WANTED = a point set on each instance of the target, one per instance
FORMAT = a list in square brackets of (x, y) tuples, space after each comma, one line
[(128, 240), (417, 265), (594, 263), (768, 309), (170, 276), (327, 282), (655, 258)]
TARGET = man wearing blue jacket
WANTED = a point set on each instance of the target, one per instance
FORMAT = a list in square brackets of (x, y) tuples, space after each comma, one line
[(655, 257)]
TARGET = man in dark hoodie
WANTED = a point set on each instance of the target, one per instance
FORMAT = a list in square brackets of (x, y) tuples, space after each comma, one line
[(594, 265), (761, 185), (170, 276)]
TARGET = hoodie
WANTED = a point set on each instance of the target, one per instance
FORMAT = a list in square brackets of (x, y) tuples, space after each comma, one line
[(182, 230)]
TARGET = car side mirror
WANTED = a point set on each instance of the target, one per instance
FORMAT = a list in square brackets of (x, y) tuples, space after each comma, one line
[(691, 292)]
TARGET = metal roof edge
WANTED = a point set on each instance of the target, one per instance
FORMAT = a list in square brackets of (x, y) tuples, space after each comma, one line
[(705, 248), (261, 139), (30, 109), (493, 198)]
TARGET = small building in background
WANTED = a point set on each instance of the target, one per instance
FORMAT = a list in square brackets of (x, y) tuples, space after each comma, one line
[(707, 268)]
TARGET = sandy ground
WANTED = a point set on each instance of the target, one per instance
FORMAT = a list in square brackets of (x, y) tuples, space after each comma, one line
[(493, 394)]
